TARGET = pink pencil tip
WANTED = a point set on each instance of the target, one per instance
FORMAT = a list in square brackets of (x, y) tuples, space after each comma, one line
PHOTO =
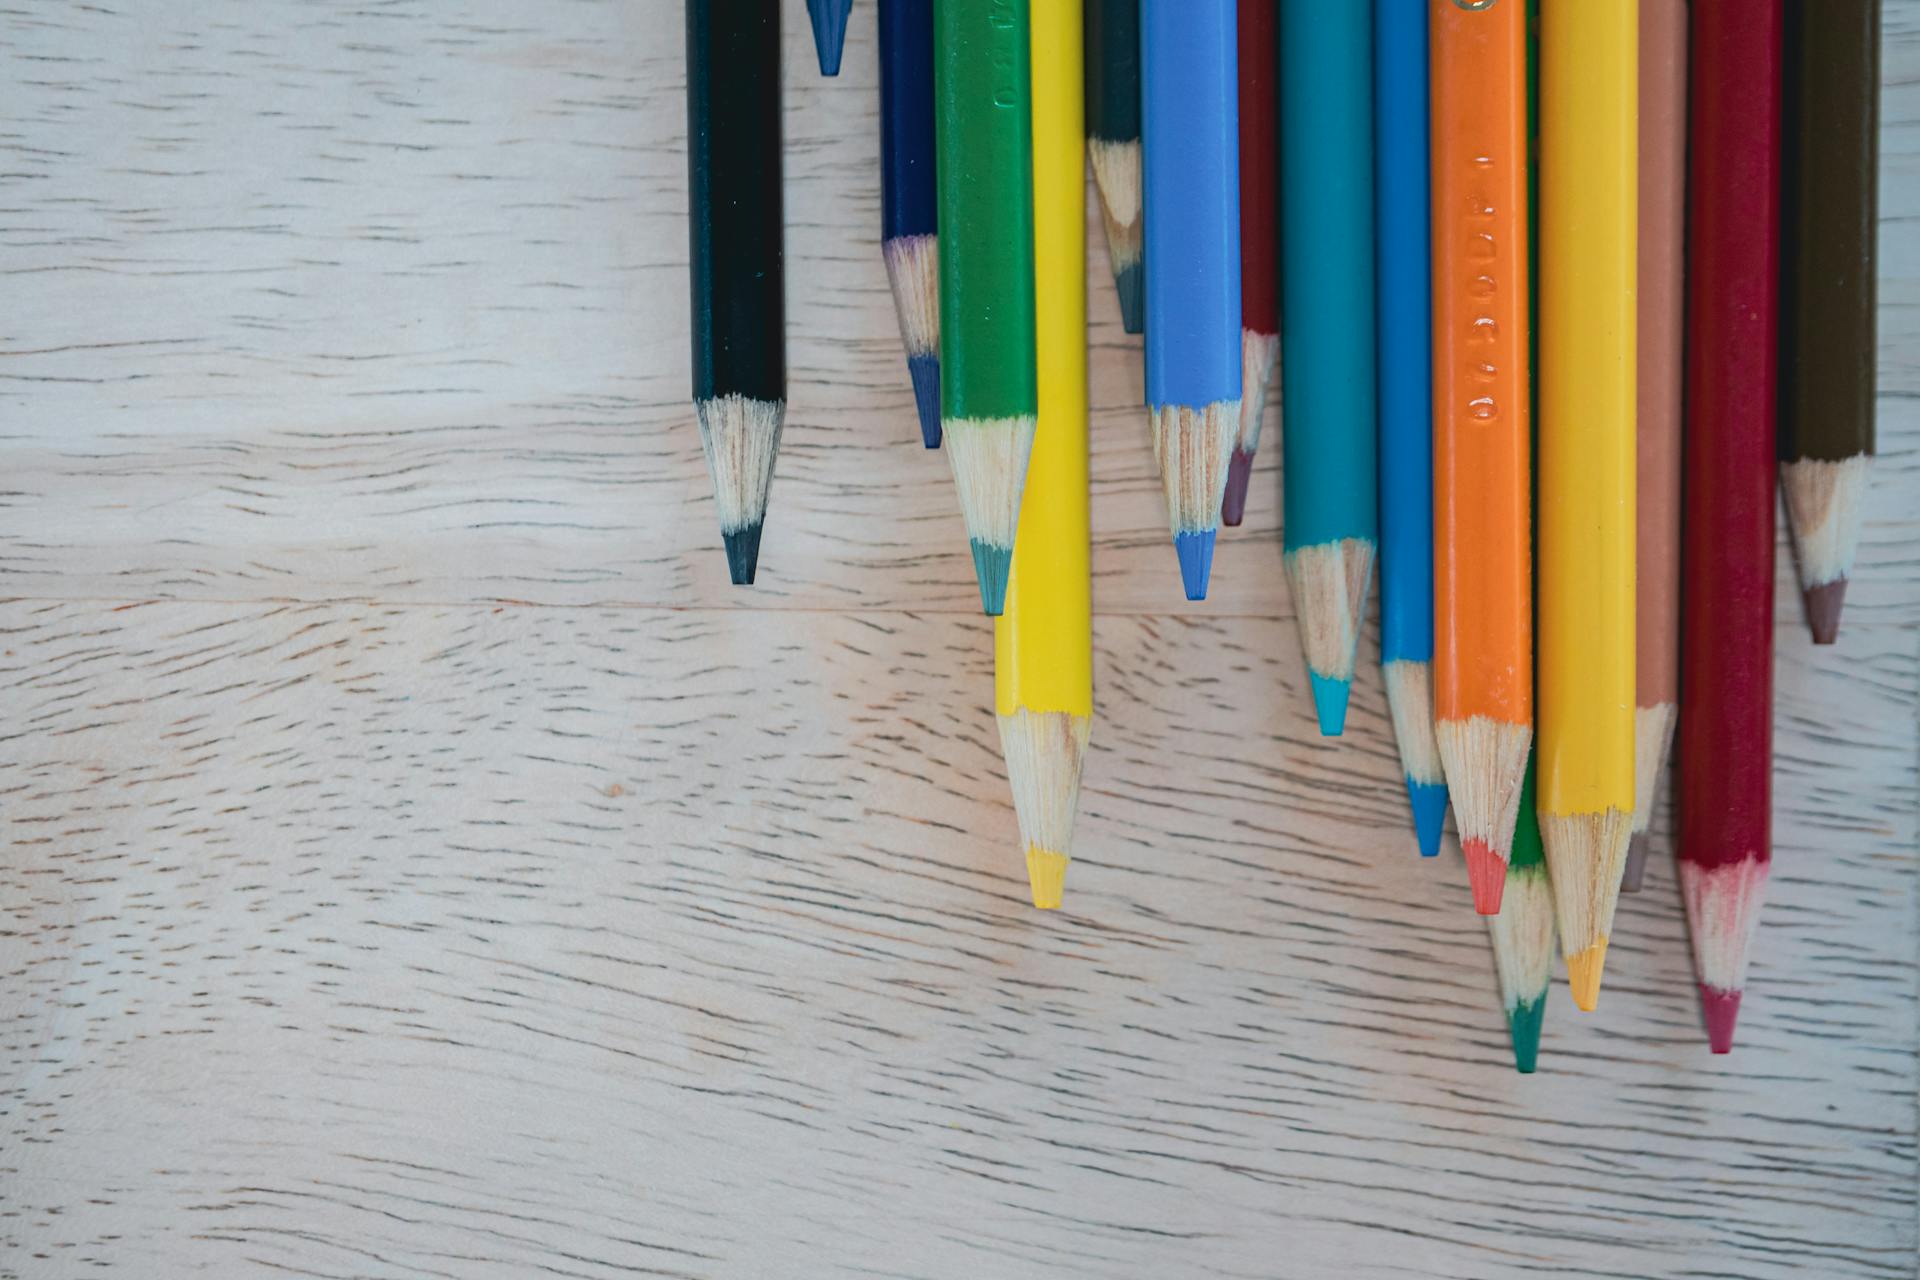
[(1487, 873), (1721, 1009)]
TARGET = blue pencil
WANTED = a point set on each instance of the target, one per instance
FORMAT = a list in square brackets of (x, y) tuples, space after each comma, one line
[(1406, 403), (829, 18), (909, 216), (1190, 130), (1327, 334)]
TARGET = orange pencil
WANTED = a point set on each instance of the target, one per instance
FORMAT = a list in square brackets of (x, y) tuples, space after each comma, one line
[(1483, 561)]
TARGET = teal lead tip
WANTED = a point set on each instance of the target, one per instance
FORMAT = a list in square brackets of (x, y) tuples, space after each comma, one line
[(1523, 1023), (991, 565), (1329, 702)]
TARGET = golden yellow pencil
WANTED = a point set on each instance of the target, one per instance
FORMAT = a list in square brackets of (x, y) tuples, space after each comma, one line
[(1589, 158), (1043, 643)]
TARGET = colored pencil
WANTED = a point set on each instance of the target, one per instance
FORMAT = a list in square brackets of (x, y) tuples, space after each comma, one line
[(1726, 615), (1662, 274), (1483, 561), (1113, 142), (1188, 99), (909, 221), (737, 277), (1522, 931), (829, 19), (1589, 93), (1403, 261), (1043, 644), (1258, 57), (1330, 501), (983, 98), (1829, 347)]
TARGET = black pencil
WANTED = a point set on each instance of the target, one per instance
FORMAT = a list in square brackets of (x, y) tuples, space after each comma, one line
[(1113, 141), (738, 279)]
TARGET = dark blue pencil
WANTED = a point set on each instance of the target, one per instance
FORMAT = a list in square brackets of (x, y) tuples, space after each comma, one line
[(1190, 118), (829, 18), (909, 218)]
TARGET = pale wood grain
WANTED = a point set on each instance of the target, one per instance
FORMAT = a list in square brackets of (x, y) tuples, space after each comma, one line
[(420, 863)]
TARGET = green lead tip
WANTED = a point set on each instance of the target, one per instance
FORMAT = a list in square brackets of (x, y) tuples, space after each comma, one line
[(991, 565), (1523, 1024)]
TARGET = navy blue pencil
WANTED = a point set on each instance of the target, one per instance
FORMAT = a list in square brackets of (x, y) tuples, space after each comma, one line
[(829, 18), (1190, 116), (909, 217)]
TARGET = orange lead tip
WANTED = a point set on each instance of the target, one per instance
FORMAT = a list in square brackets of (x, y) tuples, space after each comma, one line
[(1487, 873), (1583, 974)]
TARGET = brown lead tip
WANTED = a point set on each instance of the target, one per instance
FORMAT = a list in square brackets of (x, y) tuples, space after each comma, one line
[(1823, 609), (1636, 869)]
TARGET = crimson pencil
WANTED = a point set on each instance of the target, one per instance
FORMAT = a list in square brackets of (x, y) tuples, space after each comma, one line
[(1727, 497), (1259, 241)]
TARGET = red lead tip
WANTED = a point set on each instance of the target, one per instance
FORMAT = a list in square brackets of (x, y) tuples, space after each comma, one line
[(1487, 873), (1721, 1010)]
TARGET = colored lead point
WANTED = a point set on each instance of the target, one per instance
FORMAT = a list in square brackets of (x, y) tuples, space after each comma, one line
[(1720, 1009), (925, 371), (1429, 802), (743, 553), (1330, 702), (829, 18), (1196, 561)]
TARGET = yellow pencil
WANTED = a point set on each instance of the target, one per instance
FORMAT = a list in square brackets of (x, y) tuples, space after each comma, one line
[(1043, 643), (1589, 157)]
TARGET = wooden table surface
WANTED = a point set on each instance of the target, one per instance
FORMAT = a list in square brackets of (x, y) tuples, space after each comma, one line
[(420, 862)]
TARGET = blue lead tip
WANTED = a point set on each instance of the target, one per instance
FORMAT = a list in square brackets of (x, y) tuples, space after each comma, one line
[(1523, 1023), (1429, 800), (991, 565), (926, 396), (743, 553), (1330, 702), (1196, 561), (829, 31), (1131, 285)]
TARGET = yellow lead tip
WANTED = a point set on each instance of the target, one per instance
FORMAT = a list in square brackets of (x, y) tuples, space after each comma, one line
[(1583, 974), (1047, 874)]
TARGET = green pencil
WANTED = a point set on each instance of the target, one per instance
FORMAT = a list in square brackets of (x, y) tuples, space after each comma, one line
[(1522, 934), (989, 397)]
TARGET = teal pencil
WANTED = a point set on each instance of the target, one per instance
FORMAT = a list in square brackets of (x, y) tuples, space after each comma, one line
[(1331, 513)]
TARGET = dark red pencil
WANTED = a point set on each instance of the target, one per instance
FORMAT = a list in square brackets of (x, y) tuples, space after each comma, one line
[(1259, 56), (1726, 612)]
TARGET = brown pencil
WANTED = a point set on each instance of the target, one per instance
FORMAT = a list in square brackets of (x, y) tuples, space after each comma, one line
[(1662, 274)]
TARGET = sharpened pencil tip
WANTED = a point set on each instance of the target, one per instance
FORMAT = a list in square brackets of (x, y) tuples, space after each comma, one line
[(1487, 873), (1823, 609), (1636, 868), (1429, 801), (1583, 975), (1523, 1027), (1721, 1009), (743, 553), (1233, 504), (1329, 703), (991, 565), (925, 372), (1130, 284), (829, 19), (1196, 561), (1047, 877)]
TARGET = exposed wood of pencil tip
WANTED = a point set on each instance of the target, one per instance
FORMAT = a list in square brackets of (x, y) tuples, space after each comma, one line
[(1522, 937), (1486, 766), (1410, 702), (1825, 501), (1193, 448), (1329, 586), (1117, 178), (1045, 751), (1259, 353), (989, 461), (913, 271), (1586, 853), (741, 437), (1652, 739)]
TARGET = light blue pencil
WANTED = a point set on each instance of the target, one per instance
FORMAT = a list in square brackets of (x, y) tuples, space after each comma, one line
[(1190, 130)]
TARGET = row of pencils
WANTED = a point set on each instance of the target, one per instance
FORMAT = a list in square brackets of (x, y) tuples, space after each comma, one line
[(1559, 287)]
